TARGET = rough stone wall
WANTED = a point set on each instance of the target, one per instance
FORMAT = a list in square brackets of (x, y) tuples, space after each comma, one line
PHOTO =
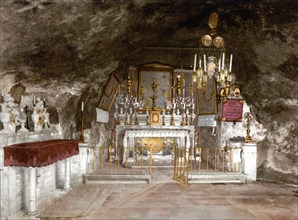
[(62, 50)]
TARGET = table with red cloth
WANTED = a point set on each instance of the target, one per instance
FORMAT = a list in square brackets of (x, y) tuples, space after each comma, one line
[(41, 153)]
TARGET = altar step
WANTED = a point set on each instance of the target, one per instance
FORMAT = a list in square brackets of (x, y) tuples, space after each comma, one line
[(217, 177), (134, 179), (125, 179)]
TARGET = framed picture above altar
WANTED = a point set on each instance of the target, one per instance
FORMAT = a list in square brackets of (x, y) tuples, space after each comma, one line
[(206, 99), (163, 76)]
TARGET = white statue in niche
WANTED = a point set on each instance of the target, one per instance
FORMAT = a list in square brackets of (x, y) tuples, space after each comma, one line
[(9, 115), (40, 116)]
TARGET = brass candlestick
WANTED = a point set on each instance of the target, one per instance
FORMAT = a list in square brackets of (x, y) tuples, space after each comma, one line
[(82, 129), (182, 117), (191, 118), (130, 118), (179, 86), (136, 117), (248, 138), (153, 97), (126, 117), (172, 123), (128, 85), (163, 120)]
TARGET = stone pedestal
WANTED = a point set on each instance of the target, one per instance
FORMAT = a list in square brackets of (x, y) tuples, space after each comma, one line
[(250, 161), (67, 175), (32, 200)]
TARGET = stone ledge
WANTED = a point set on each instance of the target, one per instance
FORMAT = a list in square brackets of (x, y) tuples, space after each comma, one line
[(116, 179), (218, 178)]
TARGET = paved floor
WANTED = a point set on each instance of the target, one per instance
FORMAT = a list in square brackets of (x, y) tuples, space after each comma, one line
[(257, 200)]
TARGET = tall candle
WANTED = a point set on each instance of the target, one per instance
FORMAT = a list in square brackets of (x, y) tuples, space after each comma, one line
[(223, 61), (82, 106), (34, 100), (219, 65), (195, 63), (21, 101), (231, 60), (200, 63), (204, 57)]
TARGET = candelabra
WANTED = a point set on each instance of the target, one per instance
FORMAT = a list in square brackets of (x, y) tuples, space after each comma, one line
[(214, 63)]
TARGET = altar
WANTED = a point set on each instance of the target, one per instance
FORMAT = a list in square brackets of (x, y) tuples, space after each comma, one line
[(181, 136)]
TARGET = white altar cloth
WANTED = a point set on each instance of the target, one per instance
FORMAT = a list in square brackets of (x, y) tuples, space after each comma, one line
[(184, 135)]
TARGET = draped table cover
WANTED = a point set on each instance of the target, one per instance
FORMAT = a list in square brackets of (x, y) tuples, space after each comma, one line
[(38, 154)]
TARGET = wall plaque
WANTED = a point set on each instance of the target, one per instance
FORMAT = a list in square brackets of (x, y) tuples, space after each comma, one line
[(232, 110)]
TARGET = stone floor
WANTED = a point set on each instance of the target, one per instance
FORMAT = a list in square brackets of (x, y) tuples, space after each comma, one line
[(258, 200)]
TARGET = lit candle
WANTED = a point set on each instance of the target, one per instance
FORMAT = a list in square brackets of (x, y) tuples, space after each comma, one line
[(204, 57), (195, 63), (82, 106), (223, 61), (231, 60)]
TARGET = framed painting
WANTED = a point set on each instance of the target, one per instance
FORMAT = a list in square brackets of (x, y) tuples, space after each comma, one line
[(109, 92), (206, 99), (163, 76)]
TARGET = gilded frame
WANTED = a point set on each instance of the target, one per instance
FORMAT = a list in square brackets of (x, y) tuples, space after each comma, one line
[(207, 103), (163, 74), (155, 118), (109, 92)]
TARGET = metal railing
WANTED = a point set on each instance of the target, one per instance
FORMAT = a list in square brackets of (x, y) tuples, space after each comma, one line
[(127, 161), (215, 159), (137, 160)]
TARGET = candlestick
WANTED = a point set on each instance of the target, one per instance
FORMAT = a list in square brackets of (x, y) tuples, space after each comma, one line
[(195, 63), (231, 60)]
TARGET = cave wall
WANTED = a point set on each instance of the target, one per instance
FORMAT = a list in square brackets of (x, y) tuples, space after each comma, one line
[(65, 50)]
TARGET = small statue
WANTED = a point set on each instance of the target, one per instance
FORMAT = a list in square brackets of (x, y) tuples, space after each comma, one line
[(40, 117), (9, 115)]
